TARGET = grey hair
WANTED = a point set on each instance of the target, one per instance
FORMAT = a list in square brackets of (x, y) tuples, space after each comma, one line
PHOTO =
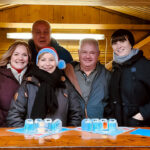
[(89, 41)]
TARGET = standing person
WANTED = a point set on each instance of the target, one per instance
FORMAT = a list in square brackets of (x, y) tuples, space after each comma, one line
[(45, 93), (41, 37), (90, 79), (130, 82), (13, 66)]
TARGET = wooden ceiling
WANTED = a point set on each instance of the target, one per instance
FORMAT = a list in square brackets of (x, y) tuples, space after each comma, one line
[(142, 12), (80, 2), (137, 8), (87, 16)]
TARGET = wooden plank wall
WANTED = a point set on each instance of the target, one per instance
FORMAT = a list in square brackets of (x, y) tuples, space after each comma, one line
[(71, 15)]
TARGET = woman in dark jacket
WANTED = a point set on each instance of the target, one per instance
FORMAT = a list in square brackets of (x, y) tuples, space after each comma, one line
[(130, 82), (45, 93), (13, 66)]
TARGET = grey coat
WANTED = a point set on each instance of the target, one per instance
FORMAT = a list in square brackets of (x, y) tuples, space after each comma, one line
[(68, 111), (98, 97)]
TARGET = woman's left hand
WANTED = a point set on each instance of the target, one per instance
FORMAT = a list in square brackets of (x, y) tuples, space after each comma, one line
[(138, 116)]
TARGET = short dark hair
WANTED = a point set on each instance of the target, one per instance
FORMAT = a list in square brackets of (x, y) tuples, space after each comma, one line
[(121, 35)]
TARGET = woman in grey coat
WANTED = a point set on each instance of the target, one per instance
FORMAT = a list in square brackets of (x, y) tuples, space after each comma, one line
[(45, 93)]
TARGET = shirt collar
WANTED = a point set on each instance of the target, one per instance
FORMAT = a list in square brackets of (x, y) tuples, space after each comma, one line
[(77, 68)]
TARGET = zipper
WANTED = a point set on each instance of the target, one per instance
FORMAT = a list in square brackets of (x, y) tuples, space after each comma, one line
[(85, 109)]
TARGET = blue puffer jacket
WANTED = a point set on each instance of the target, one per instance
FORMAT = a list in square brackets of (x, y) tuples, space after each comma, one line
[(94, 108)]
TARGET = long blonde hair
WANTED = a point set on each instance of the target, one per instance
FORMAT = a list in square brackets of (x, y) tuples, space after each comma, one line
[(7, 56)]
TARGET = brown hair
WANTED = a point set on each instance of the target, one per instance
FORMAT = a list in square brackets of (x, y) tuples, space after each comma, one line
[(7, 56), (40, 22)]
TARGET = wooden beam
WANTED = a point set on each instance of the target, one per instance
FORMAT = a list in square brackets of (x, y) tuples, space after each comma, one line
[(81, 26), (7, 6), (108, 66), (80, 2), (142, 43), (15, 25), (102, 26)]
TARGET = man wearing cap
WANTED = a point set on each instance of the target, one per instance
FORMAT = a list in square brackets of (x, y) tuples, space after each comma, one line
[(90, 79), (41, 37)]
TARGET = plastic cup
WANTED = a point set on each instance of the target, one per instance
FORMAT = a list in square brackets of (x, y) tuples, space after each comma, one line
[(96, 125), (29, 126), (56, 125), (36, 123), (113, 125), (48, 124), (86, 125), (104, 124)]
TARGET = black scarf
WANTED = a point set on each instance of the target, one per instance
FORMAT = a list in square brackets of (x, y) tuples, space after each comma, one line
[(115, 92), (46, 100)]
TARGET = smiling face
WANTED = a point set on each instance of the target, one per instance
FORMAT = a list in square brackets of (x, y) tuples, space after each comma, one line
[(122, 48), (19, 58), (88, 56), (41, 34), (47, 62)]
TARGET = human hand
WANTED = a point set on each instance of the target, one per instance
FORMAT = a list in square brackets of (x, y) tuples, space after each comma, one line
[(138, 116)]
